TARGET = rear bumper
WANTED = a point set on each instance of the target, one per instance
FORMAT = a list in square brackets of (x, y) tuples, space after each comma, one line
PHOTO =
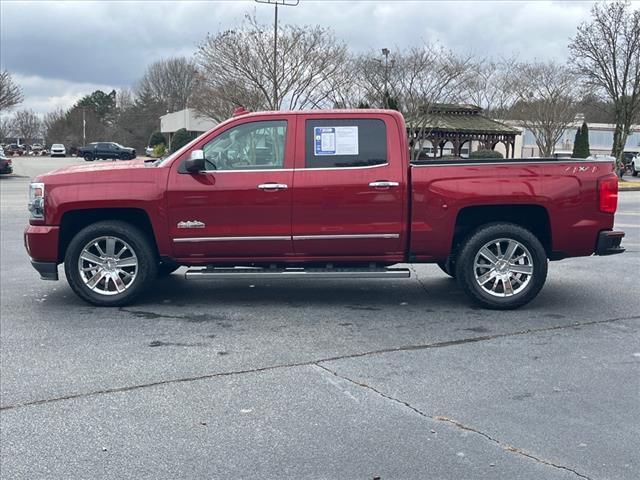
[(47, 270), (609, 243)]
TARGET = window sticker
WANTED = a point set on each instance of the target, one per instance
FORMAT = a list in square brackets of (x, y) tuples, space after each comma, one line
[(336, 140)]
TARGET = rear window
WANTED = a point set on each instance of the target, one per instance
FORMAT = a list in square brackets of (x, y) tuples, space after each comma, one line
[(344, 143)]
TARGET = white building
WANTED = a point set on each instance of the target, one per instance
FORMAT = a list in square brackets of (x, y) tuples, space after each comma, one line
[(193, 122), (600, 139)]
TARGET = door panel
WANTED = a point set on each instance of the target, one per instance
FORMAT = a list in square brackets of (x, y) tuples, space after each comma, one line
[(237, 210), (341, 210)]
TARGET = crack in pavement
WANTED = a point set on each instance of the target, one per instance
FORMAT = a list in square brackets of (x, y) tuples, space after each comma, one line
[(406, 348), (439, 418)]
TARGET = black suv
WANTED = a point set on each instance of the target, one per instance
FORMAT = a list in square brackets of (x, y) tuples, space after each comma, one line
[(106, 150)]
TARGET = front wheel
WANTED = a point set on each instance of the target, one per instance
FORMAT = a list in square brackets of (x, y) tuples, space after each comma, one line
[(502, 266), (88, 158), (109, 263)]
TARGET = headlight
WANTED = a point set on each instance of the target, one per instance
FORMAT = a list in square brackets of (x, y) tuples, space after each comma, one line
[(36, 200)]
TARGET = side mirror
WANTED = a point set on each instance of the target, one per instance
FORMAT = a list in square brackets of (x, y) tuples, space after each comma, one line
[(195, 163)]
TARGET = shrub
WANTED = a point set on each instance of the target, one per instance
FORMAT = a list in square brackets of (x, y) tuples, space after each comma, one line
[(180, 139), (159, 150), (486, 154), (156, 139)]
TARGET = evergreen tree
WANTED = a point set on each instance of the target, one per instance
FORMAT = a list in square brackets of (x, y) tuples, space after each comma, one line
[(180, 139), (576, 144), (156, 139), (584, 143)]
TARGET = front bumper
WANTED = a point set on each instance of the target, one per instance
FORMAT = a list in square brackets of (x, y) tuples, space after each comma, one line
[(47, 270), (609, 243)]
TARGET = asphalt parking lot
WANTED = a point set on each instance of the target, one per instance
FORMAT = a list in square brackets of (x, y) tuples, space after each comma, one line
[(395, 379)]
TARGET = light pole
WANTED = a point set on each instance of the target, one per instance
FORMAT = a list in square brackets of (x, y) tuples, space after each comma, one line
[(385, 67), (284, 3)]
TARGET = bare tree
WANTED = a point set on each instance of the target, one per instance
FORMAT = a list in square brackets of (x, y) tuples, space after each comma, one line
[(6, 127), (606, 53), (416, 79), (237, 68), (10, 92), (27, 125), (170, 82), (490, 86), (546, 104), (421, 77), (428, 75)]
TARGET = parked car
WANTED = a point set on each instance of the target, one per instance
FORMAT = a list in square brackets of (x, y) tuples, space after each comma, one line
[(106, 150), (37, 149), (14, 149), (58, 150), (1, 151), (6, 165), (635, 165), (562, 154), (148, 151), (318, 195)]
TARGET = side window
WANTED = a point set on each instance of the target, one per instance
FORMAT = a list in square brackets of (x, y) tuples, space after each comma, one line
[(250, 146), (344, 143)]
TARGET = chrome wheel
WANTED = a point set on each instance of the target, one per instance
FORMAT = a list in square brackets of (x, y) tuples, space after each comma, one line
[(503, 267), (108, 265)]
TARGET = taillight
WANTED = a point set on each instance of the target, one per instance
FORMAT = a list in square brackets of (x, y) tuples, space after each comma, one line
[(608, 193)]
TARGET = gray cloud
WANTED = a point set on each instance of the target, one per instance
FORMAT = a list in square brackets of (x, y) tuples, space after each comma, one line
[(61, 50)]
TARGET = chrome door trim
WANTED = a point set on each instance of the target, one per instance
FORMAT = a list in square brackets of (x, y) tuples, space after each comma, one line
[(230, 239), (273, 170), (348, 236), (354, 236), (343, 168)]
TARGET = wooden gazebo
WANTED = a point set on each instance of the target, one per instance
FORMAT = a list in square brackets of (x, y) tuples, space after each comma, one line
[(460, 124)]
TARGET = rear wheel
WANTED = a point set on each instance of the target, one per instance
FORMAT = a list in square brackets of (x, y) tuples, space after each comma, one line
[(502, 266), (109, 263), (88, 158)]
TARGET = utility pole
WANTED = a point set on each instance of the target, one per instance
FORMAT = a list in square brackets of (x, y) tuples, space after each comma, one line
[(284, 3), (84, 128)]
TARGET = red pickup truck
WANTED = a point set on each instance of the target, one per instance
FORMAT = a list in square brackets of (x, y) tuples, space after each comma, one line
[(318, 194)]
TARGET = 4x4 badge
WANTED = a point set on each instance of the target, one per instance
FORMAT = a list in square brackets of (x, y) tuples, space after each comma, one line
[(191, 224)]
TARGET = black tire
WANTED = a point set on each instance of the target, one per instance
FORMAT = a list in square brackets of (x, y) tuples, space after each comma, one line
[(137, 241), (529, 284), (448, 267), (166, 269), (88, 158)]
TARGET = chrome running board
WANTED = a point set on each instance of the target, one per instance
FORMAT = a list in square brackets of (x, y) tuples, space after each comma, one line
[(294, 272)]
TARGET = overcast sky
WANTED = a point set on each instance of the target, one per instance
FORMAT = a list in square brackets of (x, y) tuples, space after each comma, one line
[(60, 51)]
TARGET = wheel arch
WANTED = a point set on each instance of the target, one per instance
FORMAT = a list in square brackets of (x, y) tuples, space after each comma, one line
[(534, 218), (74, 221)]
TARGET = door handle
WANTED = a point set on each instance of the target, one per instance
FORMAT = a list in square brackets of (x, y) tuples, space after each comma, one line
[(273, 186), (383, 184)]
